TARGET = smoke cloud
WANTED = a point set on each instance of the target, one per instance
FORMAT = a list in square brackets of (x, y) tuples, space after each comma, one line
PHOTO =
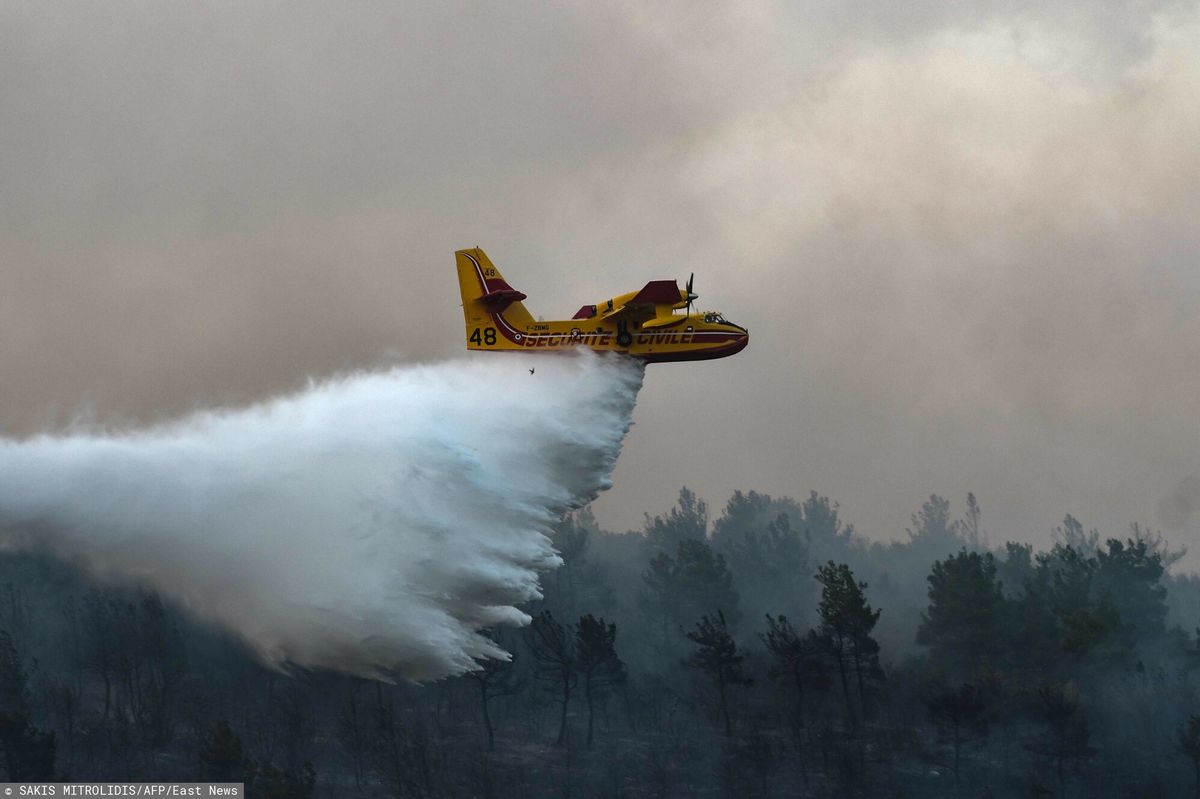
[(964, 235), (372, 524)]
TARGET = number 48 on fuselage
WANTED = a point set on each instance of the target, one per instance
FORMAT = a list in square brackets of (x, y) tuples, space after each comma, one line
[(645, 324)]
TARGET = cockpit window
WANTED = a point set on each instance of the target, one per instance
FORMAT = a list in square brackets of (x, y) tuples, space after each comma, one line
[(715, 318)]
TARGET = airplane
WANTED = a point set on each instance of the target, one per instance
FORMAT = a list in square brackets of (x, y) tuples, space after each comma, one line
[(645, 324)]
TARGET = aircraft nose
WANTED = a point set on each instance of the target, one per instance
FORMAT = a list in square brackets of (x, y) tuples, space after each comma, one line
[(740, 342)]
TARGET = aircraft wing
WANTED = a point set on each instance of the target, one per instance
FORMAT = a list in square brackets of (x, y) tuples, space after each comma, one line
[(657, 292), (642, 304)]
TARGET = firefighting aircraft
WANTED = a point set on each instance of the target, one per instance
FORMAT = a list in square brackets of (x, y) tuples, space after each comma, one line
[(645, 324)]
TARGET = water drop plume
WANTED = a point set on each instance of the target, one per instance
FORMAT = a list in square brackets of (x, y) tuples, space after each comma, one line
[(372, 524)]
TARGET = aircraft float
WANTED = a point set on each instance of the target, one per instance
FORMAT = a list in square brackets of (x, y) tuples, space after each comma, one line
[(645, 324)]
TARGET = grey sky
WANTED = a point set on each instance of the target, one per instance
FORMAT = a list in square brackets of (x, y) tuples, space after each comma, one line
[(964, 239)]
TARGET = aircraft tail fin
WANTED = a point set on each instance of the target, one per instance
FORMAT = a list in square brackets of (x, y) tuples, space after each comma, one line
[(485, 293)]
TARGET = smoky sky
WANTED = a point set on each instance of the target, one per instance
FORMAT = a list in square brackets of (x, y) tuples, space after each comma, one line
[(964, 238)]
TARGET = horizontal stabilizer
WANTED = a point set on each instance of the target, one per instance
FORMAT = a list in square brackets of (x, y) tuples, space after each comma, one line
[(501, 298)]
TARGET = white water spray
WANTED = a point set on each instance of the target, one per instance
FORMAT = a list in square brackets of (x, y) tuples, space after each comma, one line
[(372, 524)]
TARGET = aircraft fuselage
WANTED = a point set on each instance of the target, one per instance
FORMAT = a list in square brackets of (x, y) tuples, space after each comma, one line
[(654, 324)]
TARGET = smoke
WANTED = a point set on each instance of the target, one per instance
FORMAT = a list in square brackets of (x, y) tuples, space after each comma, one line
[(1175, 510), (372, 524)]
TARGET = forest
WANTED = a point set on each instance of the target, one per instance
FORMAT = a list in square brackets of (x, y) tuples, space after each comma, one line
[(766, 650)]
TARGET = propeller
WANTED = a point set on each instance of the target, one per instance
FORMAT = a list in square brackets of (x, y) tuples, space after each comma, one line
[(690, 295)]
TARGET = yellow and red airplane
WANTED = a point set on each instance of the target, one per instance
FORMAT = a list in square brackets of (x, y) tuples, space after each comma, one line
[(644, 324)]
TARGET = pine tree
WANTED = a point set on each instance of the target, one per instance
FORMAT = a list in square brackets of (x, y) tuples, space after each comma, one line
[(597, 662), (1189, 745), (221, 755), (693, 583), (846, 624), (718, 655), (958, 714), (1085, 615), (774, 555), (13, 678), (1130, 573), (796, 659), (494, 678), (962, 625), (28, 752), (571, 537), (1065, 740), (554, 663), (687, 521), (971, 525), (933, 528)]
